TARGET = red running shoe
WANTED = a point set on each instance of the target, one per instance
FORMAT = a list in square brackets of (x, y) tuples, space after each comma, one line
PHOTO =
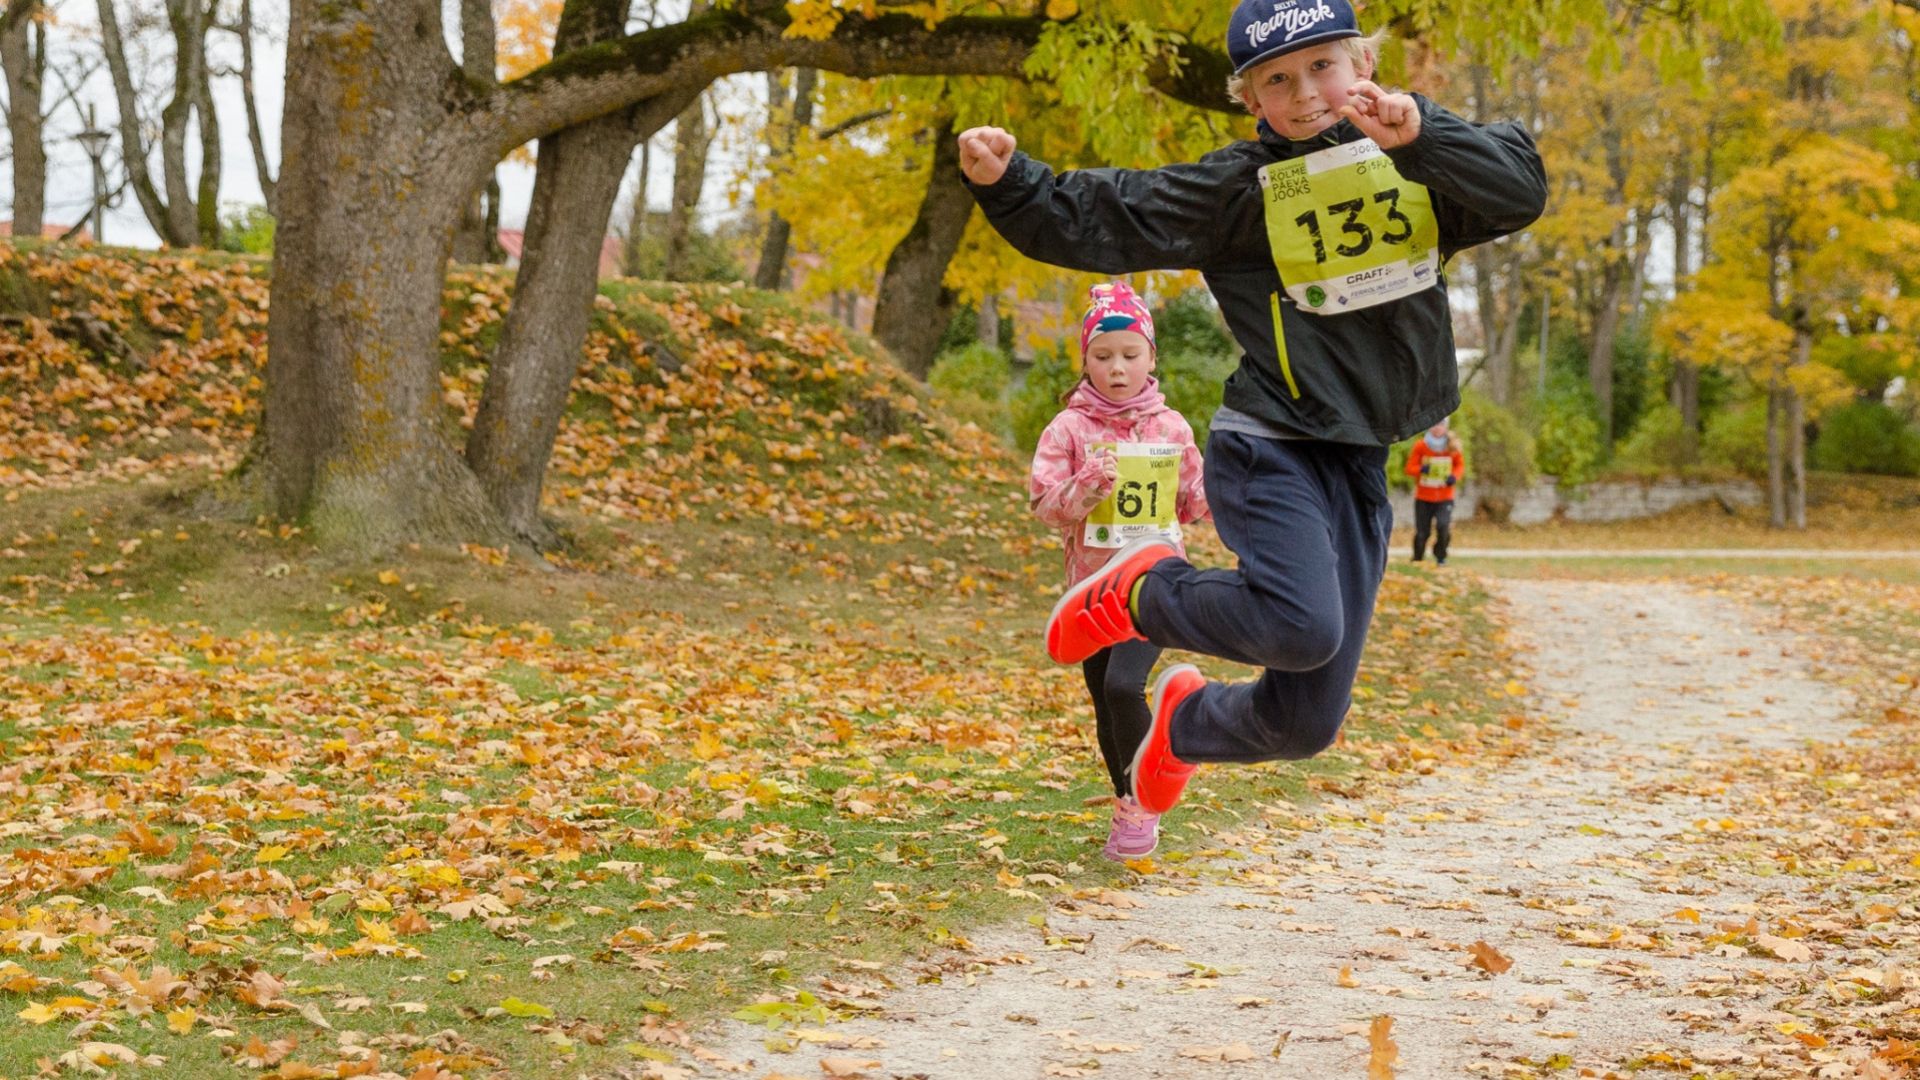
[(1158, 776), (1095, 614)]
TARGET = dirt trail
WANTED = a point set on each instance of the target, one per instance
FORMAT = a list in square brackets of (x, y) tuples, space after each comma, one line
[(1565, 862)]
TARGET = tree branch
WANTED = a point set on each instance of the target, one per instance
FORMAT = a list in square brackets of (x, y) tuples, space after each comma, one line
[(15, 11), (852, 122), (592, 81)]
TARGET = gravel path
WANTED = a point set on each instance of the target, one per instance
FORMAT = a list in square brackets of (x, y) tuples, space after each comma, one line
[(1565, 863)]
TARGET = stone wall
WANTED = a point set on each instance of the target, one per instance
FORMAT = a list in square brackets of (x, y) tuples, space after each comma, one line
[(1620, 500)]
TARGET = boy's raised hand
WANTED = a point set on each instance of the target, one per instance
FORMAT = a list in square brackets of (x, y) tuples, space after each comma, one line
[(1390, 120), (984, 154)]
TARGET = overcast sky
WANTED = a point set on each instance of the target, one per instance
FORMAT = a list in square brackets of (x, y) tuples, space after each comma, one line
[(75, 51)]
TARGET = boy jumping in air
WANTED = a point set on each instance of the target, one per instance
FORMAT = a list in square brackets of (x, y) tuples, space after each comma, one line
[(1324, 240)]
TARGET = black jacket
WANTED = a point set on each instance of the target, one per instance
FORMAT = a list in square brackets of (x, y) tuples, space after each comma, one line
[(1371, 376)]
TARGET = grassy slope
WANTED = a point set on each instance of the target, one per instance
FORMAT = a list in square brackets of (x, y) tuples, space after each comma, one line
[(777, 712)]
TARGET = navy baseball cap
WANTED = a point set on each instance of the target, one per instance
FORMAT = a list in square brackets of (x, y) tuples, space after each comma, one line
[(1264, 29)]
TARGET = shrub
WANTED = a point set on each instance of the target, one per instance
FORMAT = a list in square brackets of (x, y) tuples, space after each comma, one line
[(1397, 455), (1498, 450), (1567, 446), (1193, 383), (247, 229), (1867, 437), (1038, 398), (970, 385), (1660, 443), (1736, 438)]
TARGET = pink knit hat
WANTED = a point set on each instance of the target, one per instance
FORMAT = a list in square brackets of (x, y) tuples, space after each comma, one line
[(1115, 307)]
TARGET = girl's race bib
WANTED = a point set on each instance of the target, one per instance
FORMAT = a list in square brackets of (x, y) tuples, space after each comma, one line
[(1142, 500), (1347, 230), (1436, 472)]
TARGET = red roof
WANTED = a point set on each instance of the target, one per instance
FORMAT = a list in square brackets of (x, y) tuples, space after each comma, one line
[(514, 242), (49, 232)]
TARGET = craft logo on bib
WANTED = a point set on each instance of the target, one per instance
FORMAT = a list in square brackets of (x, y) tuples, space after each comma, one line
[(1347, 230), (1142, 500)]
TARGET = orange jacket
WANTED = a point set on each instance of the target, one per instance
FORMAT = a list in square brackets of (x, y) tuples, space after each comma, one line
[(1435, 474)]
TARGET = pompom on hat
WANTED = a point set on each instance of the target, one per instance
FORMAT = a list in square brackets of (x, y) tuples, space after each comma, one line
[(1264, 29), (1115, 307)]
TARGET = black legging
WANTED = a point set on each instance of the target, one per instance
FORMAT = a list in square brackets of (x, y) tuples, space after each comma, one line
[(1117, 681), (1438, 516)]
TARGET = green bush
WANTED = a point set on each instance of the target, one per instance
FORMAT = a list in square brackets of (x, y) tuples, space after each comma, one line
[(1867, 437), (1736, 438), (1567, 446), (1037, 400), (1397, 455), (1196, 356), (1660, 443), (970, 385), (247, 229), (1193, 384), (1498, 450)]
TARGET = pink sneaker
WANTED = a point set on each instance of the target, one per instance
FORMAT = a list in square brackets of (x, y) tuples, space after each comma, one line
[(1135, 832)]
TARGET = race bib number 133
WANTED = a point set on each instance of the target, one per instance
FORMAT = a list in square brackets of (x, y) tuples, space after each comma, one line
[(1347, 230)]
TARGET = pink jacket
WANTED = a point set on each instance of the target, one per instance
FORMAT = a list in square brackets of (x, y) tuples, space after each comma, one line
[(1066, 484)]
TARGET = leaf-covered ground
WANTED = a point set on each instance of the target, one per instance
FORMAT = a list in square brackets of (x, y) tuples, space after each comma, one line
[(778, 707), (1708, 870)]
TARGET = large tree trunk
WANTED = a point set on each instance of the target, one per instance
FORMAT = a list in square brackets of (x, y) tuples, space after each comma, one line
[(914, 307), (771, 271), (352, 432), (472, 241), (690, 145), (24, 67), (573, 195)]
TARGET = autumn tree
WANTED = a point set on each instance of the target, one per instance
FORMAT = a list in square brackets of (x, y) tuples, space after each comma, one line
[(381, 127), (1808, 244), (182, 213)]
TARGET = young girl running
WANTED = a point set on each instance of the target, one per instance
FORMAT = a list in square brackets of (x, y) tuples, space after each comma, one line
[(1117, 465)]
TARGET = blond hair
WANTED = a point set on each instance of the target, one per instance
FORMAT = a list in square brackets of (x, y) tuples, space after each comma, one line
[(1361, 49)]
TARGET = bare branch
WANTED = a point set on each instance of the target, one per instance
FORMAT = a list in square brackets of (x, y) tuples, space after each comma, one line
[(852, 122)]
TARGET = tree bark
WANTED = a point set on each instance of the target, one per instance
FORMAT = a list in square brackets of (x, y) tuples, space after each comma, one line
[(207, 199), (189, 78), (381, 127), (351, 436), (1776, 470), (255, 135), (24, 68), (690, 145), (913, 307), (1686, 376), (472, 242), (574, 190), (1796, 435), (637, 214), (171, 215), (987, 321), (771, 271)]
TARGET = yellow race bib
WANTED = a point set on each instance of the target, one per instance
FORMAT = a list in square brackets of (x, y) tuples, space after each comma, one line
[(1142, 500), (1347, 230), (1436, 472)]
